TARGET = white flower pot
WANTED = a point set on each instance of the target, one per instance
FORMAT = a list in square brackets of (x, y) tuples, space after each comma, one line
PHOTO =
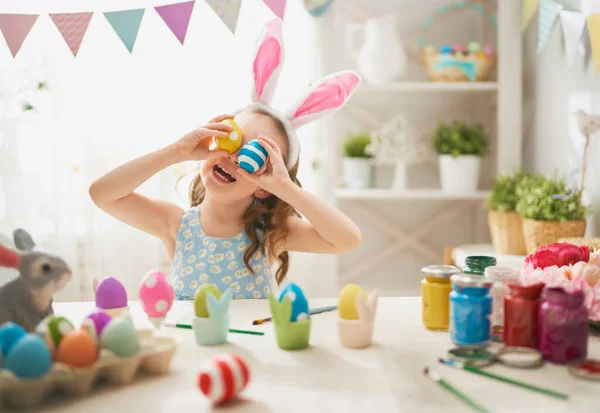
[(399, 183), (460, 174), (358, 172)]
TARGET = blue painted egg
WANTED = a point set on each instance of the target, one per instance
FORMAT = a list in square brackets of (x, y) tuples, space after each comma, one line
[(299, 302), (10, 334), (30, 358), (446, 49), (252, 156)]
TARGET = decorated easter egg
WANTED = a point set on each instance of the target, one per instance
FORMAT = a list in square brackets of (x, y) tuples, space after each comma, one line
[(445, 49), (54, 328), (222, 377), (111, 294), (77, 349), (200, 308), (95, 323), (481, 55), (473, 47), (10, 334), (489, 50), (458, 48), (429, 50), (347, 301), (120, 337), (252, 156), (233, 142), (29, 358), (299, 302), (156, 294)]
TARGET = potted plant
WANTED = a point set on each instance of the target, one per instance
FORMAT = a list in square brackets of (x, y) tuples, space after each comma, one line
[(550, 211), (460, 148), (395, 143), (358, 165), (506, 227)]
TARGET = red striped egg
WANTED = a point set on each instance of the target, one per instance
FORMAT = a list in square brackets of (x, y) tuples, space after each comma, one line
[(222, 377)]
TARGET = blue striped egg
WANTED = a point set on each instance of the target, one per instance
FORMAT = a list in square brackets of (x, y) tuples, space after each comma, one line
[(252, 156)]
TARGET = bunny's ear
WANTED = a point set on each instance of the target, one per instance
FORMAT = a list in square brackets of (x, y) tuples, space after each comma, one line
[(23, 240), (324, 97), (268, 61), (9, 258)]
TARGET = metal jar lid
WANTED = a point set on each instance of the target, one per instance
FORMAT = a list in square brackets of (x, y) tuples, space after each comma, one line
[(440, 271), (471, 281), (523, 357), (472, 356), (588, 369)]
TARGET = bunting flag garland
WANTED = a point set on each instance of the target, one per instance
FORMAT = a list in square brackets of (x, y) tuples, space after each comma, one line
[(126, 24), (227, 10), (572, 24), (593, 22), (549, 11), (15, 28), (72, 27), (277, 7), (529, 9), (177, 17)]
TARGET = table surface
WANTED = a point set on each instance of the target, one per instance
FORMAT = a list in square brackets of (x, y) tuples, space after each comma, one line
[(387, 377)]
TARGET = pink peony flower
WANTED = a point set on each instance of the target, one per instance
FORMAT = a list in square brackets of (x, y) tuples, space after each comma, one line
[(559, 254)]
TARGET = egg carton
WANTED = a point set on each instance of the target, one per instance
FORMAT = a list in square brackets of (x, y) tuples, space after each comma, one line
[(154, 357)]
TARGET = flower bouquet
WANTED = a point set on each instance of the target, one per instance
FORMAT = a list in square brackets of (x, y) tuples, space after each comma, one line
[(568, 266)]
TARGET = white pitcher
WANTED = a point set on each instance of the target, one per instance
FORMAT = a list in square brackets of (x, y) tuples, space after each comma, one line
[(382, 57)]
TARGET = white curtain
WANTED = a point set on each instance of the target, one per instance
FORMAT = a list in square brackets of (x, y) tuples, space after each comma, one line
[(107, 106)]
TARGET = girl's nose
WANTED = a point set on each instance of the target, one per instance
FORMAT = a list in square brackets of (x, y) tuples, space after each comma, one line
[(234, 157)]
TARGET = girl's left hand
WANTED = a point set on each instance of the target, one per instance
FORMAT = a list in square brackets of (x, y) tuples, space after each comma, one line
[(274, 175)]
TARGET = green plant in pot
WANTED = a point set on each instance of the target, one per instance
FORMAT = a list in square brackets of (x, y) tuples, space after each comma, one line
[(550, 211), (358, 164), (460, 147), (506, 227)]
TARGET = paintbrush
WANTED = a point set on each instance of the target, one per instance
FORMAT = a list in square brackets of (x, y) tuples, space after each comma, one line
[(312, 312), (452, 389), (463, 366)]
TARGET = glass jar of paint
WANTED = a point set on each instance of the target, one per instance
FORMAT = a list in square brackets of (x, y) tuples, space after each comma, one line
[(470, 310), (499, 276), (435, 296), (477, 264), (521, 309), (563, 325)]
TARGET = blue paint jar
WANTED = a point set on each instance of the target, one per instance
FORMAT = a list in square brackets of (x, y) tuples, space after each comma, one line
[(470, 310)]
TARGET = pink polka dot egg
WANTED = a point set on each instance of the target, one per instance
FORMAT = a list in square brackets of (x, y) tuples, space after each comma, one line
[(156, 294)]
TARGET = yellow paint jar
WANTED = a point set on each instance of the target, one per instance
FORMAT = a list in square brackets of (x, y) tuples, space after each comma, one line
[(435, 296)]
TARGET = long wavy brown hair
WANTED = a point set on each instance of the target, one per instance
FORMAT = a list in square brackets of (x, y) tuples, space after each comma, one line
[(266, 220)]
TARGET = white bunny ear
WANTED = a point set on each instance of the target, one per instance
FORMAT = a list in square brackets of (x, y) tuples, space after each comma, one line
[(326, 96), (268, 61)]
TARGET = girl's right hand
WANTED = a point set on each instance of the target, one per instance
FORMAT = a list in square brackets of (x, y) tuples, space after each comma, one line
[(195, 145)]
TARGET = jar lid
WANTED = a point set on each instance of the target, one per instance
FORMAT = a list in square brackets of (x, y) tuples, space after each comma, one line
[(586, 369), (472, 281), (500, 273), (440, 271), (523, 357), (472, 356)]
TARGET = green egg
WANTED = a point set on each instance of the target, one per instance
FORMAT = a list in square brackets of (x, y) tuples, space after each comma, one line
[(200, 299), (473, 47), (120, 337), (55, 328)]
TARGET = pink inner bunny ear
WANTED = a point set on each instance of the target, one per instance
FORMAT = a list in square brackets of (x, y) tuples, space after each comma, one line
[(267, 62), (328, 95), (9, 258)]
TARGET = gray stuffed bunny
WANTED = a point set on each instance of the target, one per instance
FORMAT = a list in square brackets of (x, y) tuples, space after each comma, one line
[(27, 299)]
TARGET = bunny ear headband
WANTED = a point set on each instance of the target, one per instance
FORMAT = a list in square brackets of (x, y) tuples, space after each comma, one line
[(325, 96)]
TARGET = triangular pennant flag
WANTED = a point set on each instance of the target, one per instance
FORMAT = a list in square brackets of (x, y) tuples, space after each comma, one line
[(72, 26), (177, 17), (572, 23), (548, 14), (317, 8), (277, 7), (529, 9), (15, 28), (126, 24), (227, 10), (593, 21)]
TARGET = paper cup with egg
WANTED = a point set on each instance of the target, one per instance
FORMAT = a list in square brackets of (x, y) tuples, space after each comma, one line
[(211, 321), (356, 316), (291, 318), (111, 297)]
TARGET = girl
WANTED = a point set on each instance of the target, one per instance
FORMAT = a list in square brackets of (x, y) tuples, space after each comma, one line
[(239, 224)]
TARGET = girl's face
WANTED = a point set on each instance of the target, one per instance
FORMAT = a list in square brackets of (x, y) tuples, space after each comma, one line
[(220, 176)]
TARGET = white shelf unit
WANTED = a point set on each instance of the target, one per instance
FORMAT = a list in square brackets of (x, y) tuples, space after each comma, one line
[(416, 194)]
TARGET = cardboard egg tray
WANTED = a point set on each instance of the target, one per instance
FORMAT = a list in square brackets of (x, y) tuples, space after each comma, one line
[(154, 357)]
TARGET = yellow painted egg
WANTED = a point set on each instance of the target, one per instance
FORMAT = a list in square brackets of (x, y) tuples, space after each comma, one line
[(347, 301), (232, 143), (481, 55)]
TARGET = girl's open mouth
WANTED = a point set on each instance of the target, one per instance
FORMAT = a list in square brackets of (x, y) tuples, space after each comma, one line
[(223, 175)]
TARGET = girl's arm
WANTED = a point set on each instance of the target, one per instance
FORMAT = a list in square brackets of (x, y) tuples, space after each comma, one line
[(328, 230)]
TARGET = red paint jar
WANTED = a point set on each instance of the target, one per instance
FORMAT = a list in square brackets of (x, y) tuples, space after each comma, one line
[(521, 313)]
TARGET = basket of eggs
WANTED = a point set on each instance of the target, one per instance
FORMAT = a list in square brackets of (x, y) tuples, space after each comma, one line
[(457, 62)]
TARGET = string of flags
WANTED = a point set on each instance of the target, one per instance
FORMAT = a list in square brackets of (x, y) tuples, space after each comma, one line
[(573, 24), (126, 23)]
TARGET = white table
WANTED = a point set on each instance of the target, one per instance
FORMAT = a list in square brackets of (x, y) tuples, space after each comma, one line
[(388, 377), (503, 260)]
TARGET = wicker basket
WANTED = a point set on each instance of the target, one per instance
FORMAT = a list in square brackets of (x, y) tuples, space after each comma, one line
[(506, 230), (538, 233), (456, 66), (592, 243)]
